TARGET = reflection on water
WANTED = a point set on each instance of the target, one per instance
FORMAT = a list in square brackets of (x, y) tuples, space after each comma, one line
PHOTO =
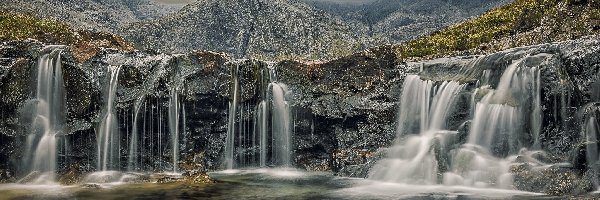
[(262, 184)]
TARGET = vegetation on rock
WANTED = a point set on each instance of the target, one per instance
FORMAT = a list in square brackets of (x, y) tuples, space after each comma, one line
[(523, 22), (17, 26)]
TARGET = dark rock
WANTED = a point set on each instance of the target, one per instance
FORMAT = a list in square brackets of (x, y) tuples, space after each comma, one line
[(555, 180), (344, 109)]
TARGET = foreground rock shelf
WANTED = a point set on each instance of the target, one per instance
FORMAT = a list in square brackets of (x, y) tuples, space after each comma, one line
[(344, 111)]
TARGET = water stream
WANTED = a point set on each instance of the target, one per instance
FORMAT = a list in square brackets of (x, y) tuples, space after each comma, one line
[(259, 135), (496, 136), (48, 116), (108, 134), (174, 112)]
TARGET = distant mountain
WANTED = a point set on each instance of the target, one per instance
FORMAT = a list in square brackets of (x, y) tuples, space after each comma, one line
[(273, 29), (399, 20), (104, 15), (266, 29)]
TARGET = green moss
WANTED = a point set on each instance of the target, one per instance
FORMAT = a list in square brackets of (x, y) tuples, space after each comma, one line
[(16, 26), (560, 19), (19, 27)]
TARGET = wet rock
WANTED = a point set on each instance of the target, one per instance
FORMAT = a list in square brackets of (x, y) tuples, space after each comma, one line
[(167, 179), (198, 177), (358, 163), (91, 186), (344, 109), (556, 180), (72, 176), (6, 176)]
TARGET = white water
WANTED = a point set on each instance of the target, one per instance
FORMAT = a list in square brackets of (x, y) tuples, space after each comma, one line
[(108, 133), (174, 110), (231, 129), (47, 116), (262, 127), (495, 137), (591, 130), (500, 111), (259, 135), (281, 126), (132, 160), (412, 160)]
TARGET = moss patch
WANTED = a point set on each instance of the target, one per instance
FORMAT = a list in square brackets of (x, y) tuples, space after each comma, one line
[(17, 26), (523, 22)]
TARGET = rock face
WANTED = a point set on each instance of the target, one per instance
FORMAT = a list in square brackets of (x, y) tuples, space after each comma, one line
[(344, 110)]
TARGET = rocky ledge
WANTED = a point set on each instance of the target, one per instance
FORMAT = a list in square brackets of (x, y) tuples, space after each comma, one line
[(344, 110)]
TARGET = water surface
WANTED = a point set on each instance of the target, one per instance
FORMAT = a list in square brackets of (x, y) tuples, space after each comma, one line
[(264, 184)]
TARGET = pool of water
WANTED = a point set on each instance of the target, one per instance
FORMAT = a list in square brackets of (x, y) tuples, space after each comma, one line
[(264, 184)]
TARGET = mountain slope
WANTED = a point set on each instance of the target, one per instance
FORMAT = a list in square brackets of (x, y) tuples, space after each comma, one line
[(521, 23), (401, 20), (18, 27), (103, 15), (250, 28)]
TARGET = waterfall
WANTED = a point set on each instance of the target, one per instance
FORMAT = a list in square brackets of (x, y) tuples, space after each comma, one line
[(281, 126), (108, 133), (259, 134), (233, 104), (174, 110), (591, 129), (424, 108), (498, 133), (591, 132), (48, 115), (262, 127), (132, 160), (505, 122), (501, 110)]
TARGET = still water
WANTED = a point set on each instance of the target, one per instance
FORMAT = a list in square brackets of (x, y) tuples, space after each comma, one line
[(264, 184)]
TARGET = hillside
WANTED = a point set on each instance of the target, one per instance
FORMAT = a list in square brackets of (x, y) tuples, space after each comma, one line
[(521, 23), (273, 29), (14, 27), (102, 15), (402, 20)]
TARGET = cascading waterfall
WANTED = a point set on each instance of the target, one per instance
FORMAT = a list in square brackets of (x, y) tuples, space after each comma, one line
[(231, 129), (47, 116), (108, 133), (260, 136), (261, 124), (497, 135), (501, 110), (590, 130), (133, 159), (174, 110), (424, 109), (281, 125)]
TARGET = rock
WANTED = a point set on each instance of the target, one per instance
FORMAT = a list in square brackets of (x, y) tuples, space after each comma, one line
[(167, 180), (198, 177), (555, 180), (6, 176), (72, 176), (344, 109), (91, 186)]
